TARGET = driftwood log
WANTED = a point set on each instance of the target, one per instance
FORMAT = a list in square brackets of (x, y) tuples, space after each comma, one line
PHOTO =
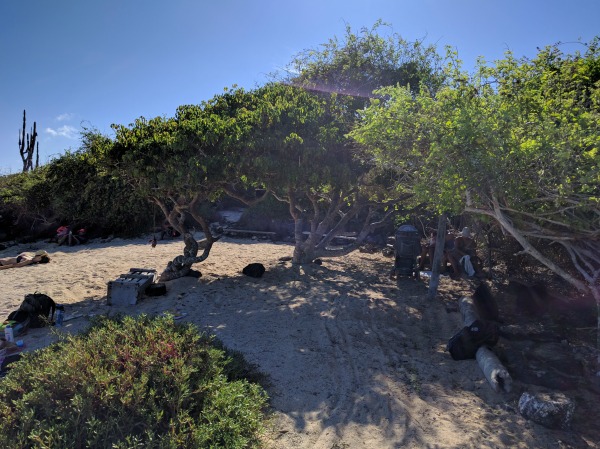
[(493, 370)]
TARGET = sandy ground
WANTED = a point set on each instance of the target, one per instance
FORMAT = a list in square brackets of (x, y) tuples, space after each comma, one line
[(354, 359)]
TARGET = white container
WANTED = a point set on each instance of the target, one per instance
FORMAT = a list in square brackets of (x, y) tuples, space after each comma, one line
[(8, 333)]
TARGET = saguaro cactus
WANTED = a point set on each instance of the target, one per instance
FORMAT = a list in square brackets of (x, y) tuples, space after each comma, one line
[(27, 144)]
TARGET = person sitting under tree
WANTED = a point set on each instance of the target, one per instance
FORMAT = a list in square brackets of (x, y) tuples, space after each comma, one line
[(463, 257), (428, 250)]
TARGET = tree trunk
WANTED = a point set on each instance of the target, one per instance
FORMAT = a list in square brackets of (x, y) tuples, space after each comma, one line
[(596, 294), (182, 265), (436, 263), (299, 256)]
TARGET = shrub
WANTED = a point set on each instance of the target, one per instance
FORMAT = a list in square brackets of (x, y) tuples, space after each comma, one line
[(129, 382), (72, 189)]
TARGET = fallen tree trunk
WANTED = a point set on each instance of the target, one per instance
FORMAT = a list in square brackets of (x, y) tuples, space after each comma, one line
[(493, 370), (467, 311), (495, 373)]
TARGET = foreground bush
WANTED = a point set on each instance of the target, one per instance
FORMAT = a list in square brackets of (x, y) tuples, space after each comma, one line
[(132, 382)]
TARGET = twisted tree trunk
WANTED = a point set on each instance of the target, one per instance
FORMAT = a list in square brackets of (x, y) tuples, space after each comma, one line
[(181, 265)]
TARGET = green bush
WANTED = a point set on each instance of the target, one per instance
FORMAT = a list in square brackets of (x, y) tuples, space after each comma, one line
[(83, 193), (73, 189), (130, 382)]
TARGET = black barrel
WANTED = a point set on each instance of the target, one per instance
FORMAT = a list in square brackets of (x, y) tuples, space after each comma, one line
[(407, 247)]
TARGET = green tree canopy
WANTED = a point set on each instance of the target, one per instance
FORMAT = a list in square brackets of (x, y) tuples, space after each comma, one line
[(517, 141), (181, 162), (326, 173), (362, 62)]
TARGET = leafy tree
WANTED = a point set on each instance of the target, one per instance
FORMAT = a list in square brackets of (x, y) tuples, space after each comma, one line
[(300, 154), (24, 202), (517, 142), (180, 163), (73, 189), (327, 180), (362, 62)]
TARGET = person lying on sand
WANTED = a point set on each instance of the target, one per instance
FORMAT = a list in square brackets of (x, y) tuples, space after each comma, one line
[(24, 259)]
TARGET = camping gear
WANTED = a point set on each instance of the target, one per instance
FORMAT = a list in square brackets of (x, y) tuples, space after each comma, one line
[(158, 289), (465, 343), (41, 308), (129, 287), (406, 248), (8, 333), (467, 265), (19, 320), (60, 315)]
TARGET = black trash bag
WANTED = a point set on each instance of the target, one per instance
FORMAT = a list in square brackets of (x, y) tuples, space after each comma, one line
[(465, 343), (255, 270)]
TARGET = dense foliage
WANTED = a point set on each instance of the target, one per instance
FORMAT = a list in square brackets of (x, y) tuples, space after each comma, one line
[(360, 63), (517, 142), (135, 382), (75, 190), (514, 142), (326, 179)]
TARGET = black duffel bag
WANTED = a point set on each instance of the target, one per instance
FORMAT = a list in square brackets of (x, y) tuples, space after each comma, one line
[(465, 343)]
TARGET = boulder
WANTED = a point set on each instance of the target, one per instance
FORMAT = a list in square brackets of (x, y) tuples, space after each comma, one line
[(552, 410)]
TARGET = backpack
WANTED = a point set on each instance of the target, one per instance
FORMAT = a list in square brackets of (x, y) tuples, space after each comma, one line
[(19, 320), (40, 308), (465, 343)]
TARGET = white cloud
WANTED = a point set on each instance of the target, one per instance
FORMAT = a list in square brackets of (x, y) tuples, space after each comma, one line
[(64, 131), (64, 117)]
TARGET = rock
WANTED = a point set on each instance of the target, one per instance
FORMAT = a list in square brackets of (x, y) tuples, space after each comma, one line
[(255, 270), (552, 410)]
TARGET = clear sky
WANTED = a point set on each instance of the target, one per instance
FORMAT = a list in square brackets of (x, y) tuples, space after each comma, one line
[(74, 63)]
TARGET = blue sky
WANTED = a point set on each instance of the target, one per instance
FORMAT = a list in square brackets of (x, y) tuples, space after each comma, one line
[(73, 63)]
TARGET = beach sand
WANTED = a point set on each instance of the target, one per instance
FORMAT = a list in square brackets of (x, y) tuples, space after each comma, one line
[(354, 359)]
